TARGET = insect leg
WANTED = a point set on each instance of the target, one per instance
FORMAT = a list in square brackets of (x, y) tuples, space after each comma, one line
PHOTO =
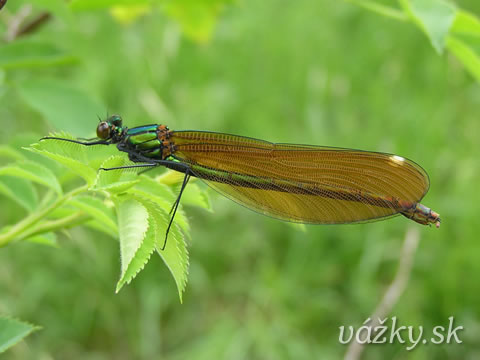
[(175, 207), (129, 167), (99, 142)]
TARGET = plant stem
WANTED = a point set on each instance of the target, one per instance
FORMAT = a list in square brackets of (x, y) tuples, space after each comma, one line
[(50, 226), (36, 216)]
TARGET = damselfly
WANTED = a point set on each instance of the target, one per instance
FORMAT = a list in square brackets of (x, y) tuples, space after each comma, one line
[(298, 183)]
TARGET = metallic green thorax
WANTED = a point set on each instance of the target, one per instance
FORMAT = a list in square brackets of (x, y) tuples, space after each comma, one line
[(144, 139)]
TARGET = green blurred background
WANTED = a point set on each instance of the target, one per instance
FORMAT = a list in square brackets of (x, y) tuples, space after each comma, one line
[(315, 72)]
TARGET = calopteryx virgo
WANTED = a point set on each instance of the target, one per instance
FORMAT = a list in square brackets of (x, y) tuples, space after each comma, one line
[(299, 183)]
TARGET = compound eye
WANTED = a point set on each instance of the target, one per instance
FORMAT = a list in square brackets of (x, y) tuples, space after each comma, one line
[(103, 130)]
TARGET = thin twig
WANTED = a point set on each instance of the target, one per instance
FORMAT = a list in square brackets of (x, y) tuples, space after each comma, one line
[(36, 216), (2, 3), (54, 225), (16, 21), (17, 26), (34, 24), (394, 291)]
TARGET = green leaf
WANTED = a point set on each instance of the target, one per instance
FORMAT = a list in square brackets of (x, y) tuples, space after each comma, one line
[(20, 191), (116, 181), (12, 331), (96, 225), (97, 209), (9, 152), (63, 106), (466, 55), (434, 17), (136, 242), (194, 196), (28, 53), (22, 140), (164, 197), (298, 227), (129, 14), (32, 171), (89, 5), (73, 156), (466, 23), (157, 189), (175, 254), (62, 212), (49, 239), (142, 255), (381, 9), (170, 177), (196, 17)]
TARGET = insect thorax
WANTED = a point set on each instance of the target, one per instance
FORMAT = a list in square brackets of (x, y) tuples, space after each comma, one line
[(150, 141)]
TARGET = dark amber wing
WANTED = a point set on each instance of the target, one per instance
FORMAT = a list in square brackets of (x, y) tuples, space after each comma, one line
[(302, 183)]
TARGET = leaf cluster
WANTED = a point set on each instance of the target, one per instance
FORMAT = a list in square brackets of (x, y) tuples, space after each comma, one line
[(133, 208), (445, 25)]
